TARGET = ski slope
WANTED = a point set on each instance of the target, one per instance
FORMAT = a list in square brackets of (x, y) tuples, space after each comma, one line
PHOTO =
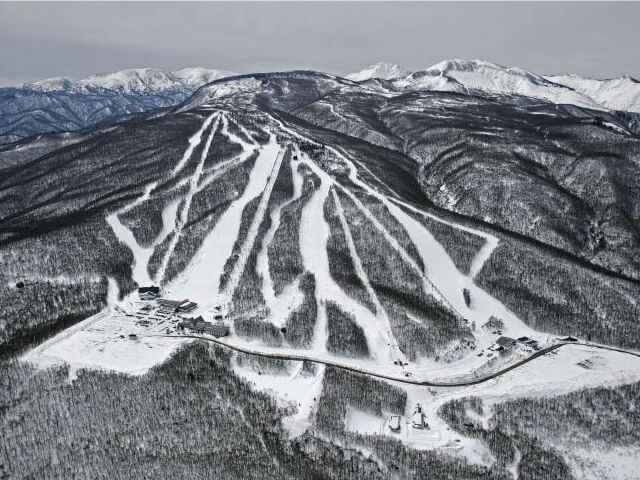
[(103, 341)]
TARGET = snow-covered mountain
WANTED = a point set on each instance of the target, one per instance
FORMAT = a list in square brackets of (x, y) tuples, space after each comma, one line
[(383, 70), (139, 80), (373, 252), (63, 104), (477, 76), (621, 93)]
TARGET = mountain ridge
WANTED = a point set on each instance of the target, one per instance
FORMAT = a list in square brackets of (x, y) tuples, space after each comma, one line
[(621, 93), (63, 104), (131, 80)]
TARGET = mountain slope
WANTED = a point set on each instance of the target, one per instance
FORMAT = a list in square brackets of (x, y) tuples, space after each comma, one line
[(484, 77), (342, 231), (476, 75), (192, 168), (617, 93), (62, 104), (383, 70)]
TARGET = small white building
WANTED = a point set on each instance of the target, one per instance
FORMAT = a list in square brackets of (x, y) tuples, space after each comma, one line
[(419, 419)]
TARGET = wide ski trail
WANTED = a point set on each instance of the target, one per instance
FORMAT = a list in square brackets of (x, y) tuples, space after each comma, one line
[(200, 280), (314, 234)]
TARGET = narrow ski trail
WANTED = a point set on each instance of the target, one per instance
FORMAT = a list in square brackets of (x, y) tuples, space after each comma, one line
[(194, 141), (184, 211), (384, 323), (262, 264), (258, 217)]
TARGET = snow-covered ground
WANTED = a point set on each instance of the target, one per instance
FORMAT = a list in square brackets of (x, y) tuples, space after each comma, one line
[(200, 280), (560, 372), (103, 341)]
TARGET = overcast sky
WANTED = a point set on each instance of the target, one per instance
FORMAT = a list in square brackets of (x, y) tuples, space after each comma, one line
[(41, 40)]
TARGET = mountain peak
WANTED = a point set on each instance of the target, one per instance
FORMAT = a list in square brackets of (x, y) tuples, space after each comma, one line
[(383, 70), (138, 80)]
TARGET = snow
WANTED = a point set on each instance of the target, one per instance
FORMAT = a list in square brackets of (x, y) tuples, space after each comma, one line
[(142, 255), (113, 291), (96, 343), (139, 80), (197, 76), (262, 263), (363, 422), (219, 91), (383, 70), (385, 325), (247, 246), (200, 279), (620, 463), (314, 233), (183, 214), (621, 93), (475, 75), (303, 391), (443, 276), (553, 374), (194, 141)]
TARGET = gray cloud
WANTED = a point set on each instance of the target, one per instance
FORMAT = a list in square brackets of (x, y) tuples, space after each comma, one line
[(76, 39)]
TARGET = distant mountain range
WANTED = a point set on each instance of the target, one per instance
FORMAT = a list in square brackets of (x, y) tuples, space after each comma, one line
[(63, 104), (469, 76)]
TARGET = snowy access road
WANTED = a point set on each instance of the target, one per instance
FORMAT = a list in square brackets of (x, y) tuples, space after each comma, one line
[(408, 380)]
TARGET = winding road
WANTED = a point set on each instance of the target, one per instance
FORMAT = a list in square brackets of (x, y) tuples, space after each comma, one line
[(409, 380)]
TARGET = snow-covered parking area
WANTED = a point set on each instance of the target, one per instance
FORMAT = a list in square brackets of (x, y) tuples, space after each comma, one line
[(104, 341)]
